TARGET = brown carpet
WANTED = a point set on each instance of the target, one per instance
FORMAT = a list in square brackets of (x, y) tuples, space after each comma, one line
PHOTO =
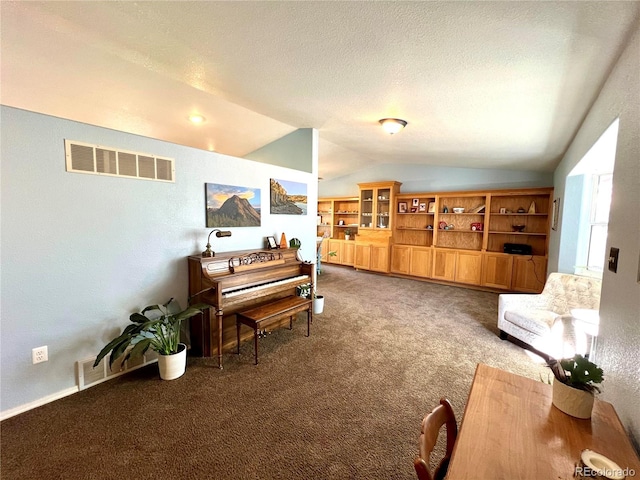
[(344, 403)]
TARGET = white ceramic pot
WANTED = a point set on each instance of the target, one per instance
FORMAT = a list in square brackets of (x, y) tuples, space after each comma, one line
[(574, 402), (347, 237), (173, 366), (318, 304)]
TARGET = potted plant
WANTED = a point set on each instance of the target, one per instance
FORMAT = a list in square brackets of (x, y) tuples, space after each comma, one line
[(576, 383), (156, 327), (318, 300), (347, 234)]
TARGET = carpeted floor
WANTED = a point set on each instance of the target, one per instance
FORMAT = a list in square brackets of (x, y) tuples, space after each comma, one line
[(344, 403)]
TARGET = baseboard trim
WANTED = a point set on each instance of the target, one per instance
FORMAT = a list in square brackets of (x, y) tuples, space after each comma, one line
[(12, 412)]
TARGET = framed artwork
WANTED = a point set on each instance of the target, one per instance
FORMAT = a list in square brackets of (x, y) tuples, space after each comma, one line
[(288, 198), (555, 213), (432, 207), (422, 207), (231, 206), (414, 209), (503, 210), (402, 207), (271, 242), (414, 202)]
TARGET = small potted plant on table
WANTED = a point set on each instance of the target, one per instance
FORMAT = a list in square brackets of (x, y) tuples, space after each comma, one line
[(156, 327), (575, 385), (347, 233)]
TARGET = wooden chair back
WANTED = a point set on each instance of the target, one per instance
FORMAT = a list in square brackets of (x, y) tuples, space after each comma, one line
[(431, 424)]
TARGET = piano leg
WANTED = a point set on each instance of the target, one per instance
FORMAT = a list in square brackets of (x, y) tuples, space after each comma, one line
[(219, 317)]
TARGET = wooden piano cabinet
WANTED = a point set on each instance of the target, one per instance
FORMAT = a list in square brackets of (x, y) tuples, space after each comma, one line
[(214, 281)]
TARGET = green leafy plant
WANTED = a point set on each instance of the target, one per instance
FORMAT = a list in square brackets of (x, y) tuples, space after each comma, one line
[(156, 327), (347, 231), (305, 291), (294, 243), (577, 372)]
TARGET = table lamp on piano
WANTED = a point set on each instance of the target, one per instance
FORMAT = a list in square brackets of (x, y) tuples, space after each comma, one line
[(219, 233)]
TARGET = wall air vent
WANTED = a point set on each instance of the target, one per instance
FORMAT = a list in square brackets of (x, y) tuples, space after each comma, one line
[(99, 160)]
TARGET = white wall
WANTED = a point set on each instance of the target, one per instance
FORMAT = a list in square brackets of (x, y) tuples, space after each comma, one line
[(429, 178), (618, 344), (80, 253)]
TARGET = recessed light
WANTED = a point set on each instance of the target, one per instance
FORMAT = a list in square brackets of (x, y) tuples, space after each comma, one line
[(196, 118)]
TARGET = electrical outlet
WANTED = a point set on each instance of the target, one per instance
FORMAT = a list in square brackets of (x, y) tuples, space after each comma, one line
[(39, 355)]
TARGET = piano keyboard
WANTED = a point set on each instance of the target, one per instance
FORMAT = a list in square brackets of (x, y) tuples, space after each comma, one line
[(230, 292)]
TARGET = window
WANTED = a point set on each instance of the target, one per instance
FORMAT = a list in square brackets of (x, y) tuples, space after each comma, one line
[(600, 204)]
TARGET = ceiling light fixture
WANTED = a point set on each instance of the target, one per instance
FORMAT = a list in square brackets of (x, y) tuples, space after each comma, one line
[(392, 125), (196, 118)]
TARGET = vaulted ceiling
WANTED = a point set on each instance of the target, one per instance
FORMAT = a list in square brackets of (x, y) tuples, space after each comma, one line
[(481, 84)]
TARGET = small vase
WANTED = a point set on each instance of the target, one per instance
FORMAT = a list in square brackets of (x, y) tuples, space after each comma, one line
[(174, 365), (574, 402)]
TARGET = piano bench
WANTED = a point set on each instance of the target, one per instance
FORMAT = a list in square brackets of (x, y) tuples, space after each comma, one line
[(265, 315)]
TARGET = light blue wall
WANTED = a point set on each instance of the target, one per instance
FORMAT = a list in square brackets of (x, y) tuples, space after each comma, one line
[(426, 178), (291, 151), (80, 253)]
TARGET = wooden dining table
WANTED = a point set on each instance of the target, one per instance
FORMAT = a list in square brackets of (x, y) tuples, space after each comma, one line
[(510, 430)]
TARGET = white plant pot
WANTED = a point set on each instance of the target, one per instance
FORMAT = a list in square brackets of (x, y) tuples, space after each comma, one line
[(574, 402), (173, 366), (318, 304), (347, 237)]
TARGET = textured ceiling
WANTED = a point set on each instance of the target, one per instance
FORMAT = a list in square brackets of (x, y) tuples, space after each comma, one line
[(482, 84)]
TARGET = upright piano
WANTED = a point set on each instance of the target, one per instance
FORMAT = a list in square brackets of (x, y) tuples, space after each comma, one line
[(234, 281)]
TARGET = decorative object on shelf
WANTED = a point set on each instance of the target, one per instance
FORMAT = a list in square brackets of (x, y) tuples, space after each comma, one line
[(445, 209), (432, 207), (340, 222), (271, 243), (576, 383), (532, 207), (503, 210), (160, 332), (414, 209), (283, 240), (429, 227), (219, 233), (402, 207), (442, 225), (458, 210), (477, 226), (478, 209), (392, 125), (295, 243), (522, 210), (347, 234), (451, 226), (518, 228), (422, 207), (231, 206), (415, 202)]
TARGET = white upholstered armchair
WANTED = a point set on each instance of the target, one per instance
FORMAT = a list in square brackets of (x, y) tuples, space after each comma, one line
[(544, 320)]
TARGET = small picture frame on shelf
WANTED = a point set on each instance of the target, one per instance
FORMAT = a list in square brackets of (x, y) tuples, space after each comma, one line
[(422, 207), (402, 207), (432, 207), (414, 209), (340, 222), (503, 210), (415, 202), (271, 243)]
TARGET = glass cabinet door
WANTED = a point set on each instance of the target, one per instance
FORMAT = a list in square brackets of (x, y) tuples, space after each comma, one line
[(366, 208), (383, 208)]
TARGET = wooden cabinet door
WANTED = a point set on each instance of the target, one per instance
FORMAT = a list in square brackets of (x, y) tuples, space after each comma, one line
[(400, 259), (334, 246), (496, 270), (348, 253), (363, 256), (444, 264), (421, 262), (529, 273), (469, 267), (324, 249), (380, 258)]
